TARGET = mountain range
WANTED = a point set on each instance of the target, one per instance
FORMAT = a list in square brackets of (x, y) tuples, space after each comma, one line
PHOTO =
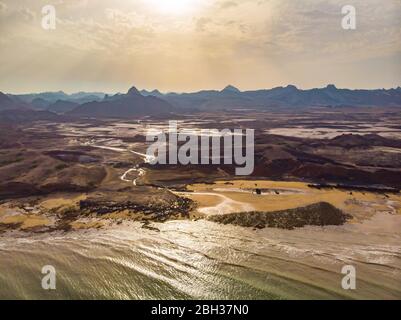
[(132, 104), (290, 96), (152, 103), (7, 103)]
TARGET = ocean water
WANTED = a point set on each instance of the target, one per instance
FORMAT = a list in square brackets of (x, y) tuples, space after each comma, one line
[(203, 260)]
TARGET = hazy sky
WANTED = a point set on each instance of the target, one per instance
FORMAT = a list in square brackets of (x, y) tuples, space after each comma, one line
[(187, 45)]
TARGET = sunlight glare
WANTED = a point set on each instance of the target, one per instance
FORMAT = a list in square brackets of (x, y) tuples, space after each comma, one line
[(174, 6)]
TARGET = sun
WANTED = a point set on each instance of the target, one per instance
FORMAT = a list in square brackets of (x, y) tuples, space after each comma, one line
[(174, 6)]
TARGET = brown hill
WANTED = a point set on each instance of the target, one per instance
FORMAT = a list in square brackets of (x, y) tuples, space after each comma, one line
[(132, 104), (6, 103)]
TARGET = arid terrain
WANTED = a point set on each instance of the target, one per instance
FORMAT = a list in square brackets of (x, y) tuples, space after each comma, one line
[(75, 174)]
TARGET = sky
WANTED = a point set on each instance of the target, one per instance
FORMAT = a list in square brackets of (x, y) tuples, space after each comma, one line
[(190, 45)]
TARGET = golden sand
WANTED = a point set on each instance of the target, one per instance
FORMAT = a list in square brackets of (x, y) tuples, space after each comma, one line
[(360, 204), (62, 202), (26, 221)]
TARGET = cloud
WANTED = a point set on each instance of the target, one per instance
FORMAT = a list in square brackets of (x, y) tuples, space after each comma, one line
[(3, 7), (228, 4), (202, 23), (260, 43)]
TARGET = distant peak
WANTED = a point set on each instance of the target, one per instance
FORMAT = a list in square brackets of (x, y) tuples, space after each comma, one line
[(155, 92), (230, 88), (4, 96), (331, 87), (133, 92), (292, 87)]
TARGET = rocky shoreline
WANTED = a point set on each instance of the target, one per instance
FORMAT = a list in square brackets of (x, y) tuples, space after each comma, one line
[(93, 214), (318, 214), (181, 207)]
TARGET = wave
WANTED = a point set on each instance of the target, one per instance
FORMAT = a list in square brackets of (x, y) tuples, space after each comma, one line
[(201, 260)]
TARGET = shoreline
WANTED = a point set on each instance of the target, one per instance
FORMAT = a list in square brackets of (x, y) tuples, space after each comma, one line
[(269, 263), (220, 201)]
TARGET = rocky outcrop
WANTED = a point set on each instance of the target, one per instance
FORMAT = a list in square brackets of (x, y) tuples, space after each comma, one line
[(180, 207), (318, 214)]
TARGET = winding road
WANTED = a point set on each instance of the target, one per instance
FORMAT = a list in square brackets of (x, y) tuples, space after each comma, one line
[(227, 205), (141, 172)]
